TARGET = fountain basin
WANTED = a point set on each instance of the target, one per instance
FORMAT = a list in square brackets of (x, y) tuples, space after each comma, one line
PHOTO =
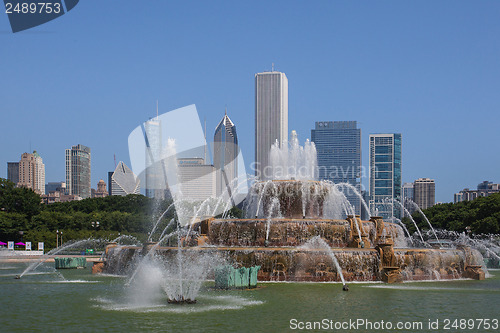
[(315, 265)]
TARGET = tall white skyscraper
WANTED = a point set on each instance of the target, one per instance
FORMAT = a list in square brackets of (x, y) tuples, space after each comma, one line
[(155, 180), (39, 173), (271, 117)]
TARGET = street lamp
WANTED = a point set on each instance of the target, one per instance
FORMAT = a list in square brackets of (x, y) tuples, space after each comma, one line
[(57, 238), (95, 225)]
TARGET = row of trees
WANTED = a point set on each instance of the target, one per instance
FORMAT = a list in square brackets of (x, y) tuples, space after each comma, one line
[(481, 215), (21, 210)]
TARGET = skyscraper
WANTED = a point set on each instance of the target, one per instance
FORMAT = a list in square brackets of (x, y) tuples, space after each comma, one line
[(13, 172), (156, 185), (27, 171), (225, 156), (271, 117), (123, 181), (39, 182), (196, 179), (32, 172), (425, 192), (408, 197), (385, 174), (338, 145), (78, 171)]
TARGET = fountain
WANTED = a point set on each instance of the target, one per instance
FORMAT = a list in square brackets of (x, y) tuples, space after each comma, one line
[(296, 229), (72, 244)]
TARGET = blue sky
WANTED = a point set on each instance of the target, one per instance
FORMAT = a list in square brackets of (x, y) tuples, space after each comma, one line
[(429, 70)]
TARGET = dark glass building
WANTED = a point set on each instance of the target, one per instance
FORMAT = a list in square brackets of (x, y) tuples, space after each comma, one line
[(338, 145), (13, 172), (225, 156)]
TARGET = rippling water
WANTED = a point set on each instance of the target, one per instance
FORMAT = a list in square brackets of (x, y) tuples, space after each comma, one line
[(77, 301)]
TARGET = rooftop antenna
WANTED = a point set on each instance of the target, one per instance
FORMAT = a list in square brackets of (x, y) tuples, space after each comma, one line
[(225, 111), (272, 66), (156, 110), (114, 156)]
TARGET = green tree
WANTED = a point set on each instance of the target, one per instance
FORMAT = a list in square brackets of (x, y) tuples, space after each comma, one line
[(482, 215), (18, 200)]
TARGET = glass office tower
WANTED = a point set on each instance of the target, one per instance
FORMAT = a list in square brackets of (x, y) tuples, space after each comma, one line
[(78, 171), (385, 174)]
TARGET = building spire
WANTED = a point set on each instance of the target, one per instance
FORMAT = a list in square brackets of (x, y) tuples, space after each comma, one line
[(272, 67)]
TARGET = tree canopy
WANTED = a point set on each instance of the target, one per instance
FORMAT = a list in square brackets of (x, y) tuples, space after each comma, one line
[(481, 215), (21, 210)]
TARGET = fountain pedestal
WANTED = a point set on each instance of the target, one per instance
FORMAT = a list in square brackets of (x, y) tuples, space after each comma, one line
[(98, 267), (391, 274), (474, 272), (379, 225), (181, 301), (357, 240), (471, 269)]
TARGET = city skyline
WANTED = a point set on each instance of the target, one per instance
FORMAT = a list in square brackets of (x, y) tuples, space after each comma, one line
[(374, 63), (232, 127)]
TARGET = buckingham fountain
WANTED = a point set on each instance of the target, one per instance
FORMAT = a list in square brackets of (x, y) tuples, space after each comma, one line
[(296, 229)]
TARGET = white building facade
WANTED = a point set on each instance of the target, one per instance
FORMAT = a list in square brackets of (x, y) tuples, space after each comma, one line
[(271, 117)]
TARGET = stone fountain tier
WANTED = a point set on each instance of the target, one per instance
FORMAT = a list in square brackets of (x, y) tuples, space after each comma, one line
[(120, 260), (297, 199), (296, 232), (438, 264), (300, 264)]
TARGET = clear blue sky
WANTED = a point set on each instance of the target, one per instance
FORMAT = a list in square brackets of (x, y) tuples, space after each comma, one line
[(430, 70)]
